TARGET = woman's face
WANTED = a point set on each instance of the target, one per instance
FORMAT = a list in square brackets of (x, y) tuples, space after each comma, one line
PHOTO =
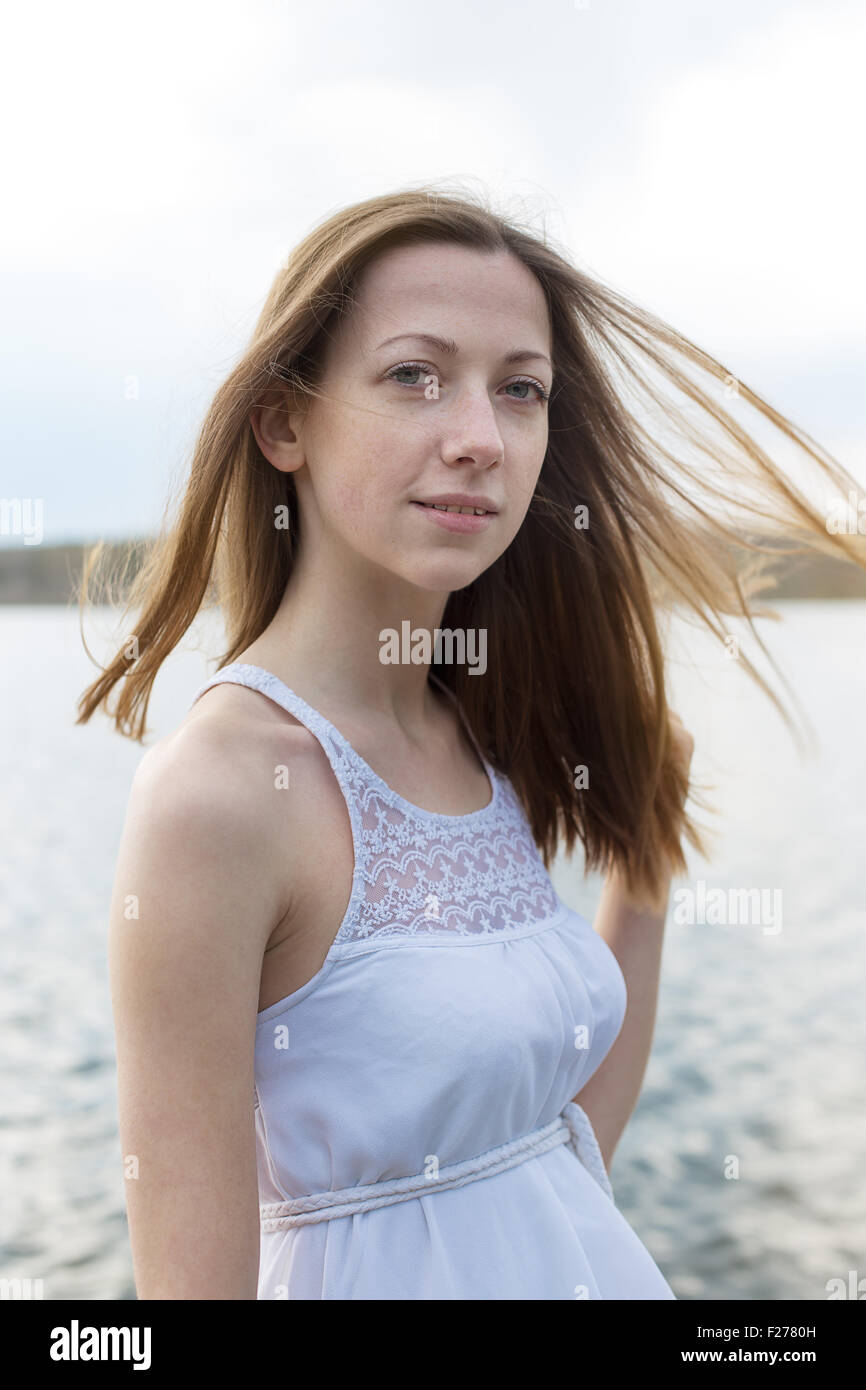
[(406, 421)]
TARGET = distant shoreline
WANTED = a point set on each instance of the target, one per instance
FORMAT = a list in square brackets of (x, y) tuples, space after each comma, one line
[(51, 574)]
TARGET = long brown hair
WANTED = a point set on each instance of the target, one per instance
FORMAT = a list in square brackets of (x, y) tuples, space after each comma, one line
[(576, 665)]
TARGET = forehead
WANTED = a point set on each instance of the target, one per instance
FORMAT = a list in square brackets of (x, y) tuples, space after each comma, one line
[(452, 290)]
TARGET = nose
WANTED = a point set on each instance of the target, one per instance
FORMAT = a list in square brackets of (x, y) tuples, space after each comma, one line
[(471, 431)]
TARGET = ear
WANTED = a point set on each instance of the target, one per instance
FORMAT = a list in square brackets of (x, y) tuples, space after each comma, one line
[(277, 427)]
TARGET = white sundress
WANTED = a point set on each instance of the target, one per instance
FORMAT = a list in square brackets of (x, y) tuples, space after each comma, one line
[(416, 1135)]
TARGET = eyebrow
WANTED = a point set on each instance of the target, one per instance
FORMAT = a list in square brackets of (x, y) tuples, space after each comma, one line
[(449, 346)]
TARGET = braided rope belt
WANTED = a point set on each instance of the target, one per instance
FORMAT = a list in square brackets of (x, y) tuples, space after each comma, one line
[(572, 1126)]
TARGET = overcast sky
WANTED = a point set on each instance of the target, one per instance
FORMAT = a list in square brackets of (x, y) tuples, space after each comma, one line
[(161, 160)]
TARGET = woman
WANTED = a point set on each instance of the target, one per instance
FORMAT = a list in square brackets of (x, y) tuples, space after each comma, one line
[(364, 1049)]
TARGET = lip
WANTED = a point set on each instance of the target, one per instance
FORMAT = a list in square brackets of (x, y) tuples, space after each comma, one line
[(459, 522), (459, 499)]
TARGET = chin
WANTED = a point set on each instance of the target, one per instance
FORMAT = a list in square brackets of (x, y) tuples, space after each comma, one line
[(443, 574)]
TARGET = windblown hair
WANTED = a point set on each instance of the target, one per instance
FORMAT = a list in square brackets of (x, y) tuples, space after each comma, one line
[(575, 657)]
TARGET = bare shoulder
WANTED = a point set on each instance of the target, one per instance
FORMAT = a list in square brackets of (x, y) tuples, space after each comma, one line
[(229, 752), (245, 772), (230, 723)]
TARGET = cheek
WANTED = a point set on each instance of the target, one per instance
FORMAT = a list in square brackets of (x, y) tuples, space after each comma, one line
[(361, 491), (370, 469)]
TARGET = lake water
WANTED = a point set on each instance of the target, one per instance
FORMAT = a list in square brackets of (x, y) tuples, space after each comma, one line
[(759, 1059)]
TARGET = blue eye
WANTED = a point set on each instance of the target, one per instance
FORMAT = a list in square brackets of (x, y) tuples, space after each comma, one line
[(425, 367), (406, 367), (536, 386)]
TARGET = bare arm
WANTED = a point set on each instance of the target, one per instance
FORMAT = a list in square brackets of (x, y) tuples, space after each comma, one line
[(634, 931), (197, 866)]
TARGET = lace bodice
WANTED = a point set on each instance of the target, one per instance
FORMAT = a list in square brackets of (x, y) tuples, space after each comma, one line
[(418, 872)]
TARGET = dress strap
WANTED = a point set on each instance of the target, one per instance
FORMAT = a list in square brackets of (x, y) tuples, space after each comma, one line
[(257, 678), (337, 749)]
